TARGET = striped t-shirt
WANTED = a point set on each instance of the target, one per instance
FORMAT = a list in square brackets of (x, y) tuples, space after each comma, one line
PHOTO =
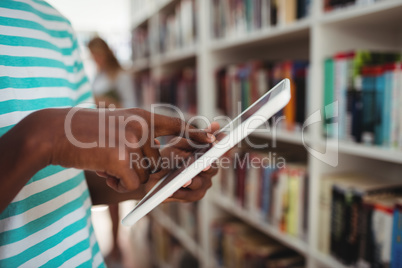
[(48, 223)]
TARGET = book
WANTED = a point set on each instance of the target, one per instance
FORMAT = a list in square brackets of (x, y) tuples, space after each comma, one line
[(140, 43), (396, 254), (177, 28), (382, 230), (238, 245), (231, 18), (366, 86), (347, 205), (275, 195), (329, 73), (378, 231), (240, 85)]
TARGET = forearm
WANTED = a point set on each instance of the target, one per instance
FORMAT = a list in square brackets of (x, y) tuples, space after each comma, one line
[(23, 153), (102, 194)]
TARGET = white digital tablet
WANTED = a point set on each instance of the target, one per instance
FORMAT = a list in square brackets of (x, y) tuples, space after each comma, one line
[(239, 128)]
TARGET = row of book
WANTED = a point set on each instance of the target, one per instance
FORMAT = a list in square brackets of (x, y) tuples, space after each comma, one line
[(269, 189), (178, 29), (167, 251), (238, 17), (178, 89), (237, 245), (361, 220), (330, 5), (184, 215), (245, 83), (365, 88), (140, 43)]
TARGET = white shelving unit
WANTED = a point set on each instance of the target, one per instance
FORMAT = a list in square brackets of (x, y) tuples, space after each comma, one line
[(276, 33), (187, 241), (290, 241), (174, 56), (374, 26)]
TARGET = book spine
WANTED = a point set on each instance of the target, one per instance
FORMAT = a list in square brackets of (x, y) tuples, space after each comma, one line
[(300, 82), (382, 234), (387, 115), (278, 198), (290, 108), (325, 215), (368, 111), (399, 82), (357, 113), (340, 89), (267, 193), (300, 204), (290, 11), (284, 197), (349, 95), (347, 235), (353, 231), (293, 198), (365, 225), (396, 87), (337, 221), (396, 251), (252, 180), (380, 100)]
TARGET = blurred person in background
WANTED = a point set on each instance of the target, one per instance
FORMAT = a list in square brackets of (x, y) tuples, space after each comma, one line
[(112, 85)]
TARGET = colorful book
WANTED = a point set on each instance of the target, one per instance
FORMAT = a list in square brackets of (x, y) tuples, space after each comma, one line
[(396, 254)]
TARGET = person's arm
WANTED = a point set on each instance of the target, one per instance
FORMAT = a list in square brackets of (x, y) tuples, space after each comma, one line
[(47, 137), (23, 153)]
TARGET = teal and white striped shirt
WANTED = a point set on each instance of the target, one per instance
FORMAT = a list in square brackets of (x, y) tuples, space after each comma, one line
[(48, 223)]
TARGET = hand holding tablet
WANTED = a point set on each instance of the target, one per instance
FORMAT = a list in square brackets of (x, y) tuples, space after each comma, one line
[(239, 128)]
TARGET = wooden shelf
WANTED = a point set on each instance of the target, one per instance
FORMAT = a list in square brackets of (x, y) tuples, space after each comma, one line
[(271, 34), (175, 230), (290, 241), (361, 150)]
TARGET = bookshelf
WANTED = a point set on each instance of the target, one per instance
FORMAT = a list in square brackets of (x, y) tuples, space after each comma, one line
[(375, 26), (229, 206), (187, 242)]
